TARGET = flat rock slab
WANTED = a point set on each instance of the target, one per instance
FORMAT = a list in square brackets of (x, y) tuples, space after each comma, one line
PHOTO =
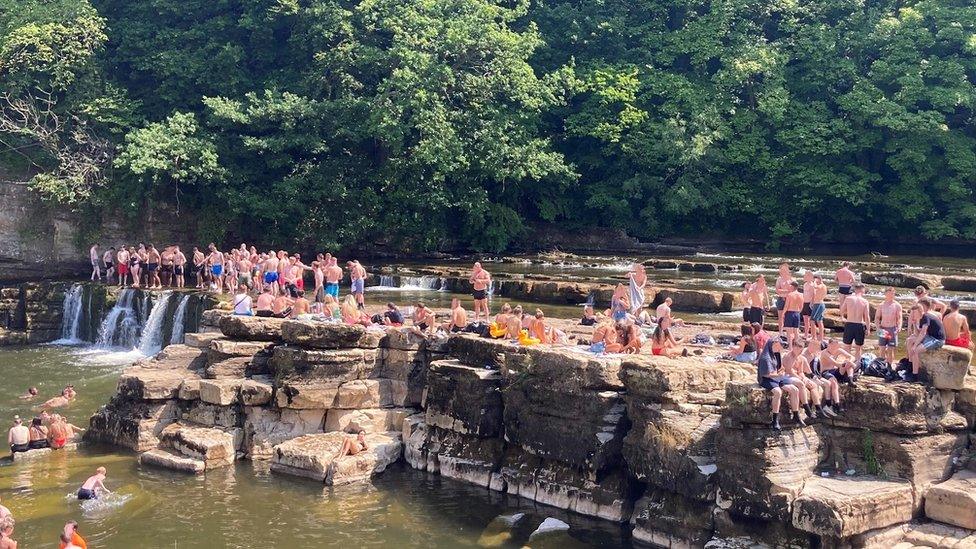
[(333, 364), (143, 382), (221, 348), (257, 391), (306, 395), (37, 453), (947, 367), (313, 456), (214, 447), (329, 335), (953, 501), (935, 534), (266, 427), (201, 340), (223, 392), (169, 460), (569, 368), (842, 507), (902, 280), (251, 328), (959, 283), (369, 420), (681, 379)]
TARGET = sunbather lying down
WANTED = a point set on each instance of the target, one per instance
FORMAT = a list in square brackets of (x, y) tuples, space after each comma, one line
[(353, 445)]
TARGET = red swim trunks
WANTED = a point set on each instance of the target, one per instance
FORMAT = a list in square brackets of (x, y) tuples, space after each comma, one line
[(123, 269), (961, 341)]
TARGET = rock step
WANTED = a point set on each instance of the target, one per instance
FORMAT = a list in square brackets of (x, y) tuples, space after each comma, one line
[(170, 460), (216, 448), (953, 501), (31, 455), (842, 507), (937, 534), (313, 456)]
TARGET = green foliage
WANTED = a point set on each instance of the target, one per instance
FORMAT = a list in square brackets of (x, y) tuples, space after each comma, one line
[(870, 458), (416, 124)]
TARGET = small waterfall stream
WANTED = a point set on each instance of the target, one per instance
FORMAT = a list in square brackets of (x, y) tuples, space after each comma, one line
[(73, 311), (122, 326), (422, 282), (387, 281), (179, 321), (151, 341)]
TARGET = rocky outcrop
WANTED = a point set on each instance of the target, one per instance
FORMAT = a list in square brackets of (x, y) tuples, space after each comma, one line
[(953, 501), (31, 313), (959, 283), (315, 456), (695, 301), (947, 367), (902, 280)]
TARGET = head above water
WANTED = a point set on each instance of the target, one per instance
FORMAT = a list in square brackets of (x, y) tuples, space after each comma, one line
[(101, 471)]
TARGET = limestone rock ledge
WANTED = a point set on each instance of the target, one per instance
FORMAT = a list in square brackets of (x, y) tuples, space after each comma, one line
[(313, 456)]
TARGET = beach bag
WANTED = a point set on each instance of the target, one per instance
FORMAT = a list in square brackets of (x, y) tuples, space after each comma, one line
[(875, 368)]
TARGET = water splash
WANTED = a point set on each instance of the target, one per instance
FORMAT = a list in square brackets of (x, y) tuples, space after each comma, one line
[(121, 327), (151, 341), (431, 283)]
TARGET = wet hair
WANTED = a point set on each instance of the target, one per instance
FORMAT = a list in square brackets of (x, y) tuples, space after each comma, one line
[(794, 284), (420, 304), (954, 305), (32, 390)]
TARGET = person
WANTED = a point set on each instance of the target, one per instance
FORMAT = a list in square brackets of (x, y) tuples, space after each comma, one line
[(152, 268), (330, 308), (392, 316), (818, 307), (351, 313), (663, 342), (888, 318), (318, 295), (756, 297), (605, 338), (459, 317), (300, 306), (96, 263), (480, 280), (38, 435), (772, 377), (216, 261), (844, 277), (108, 258), (664, 311), (746, 349), (792, 306), (6, 531), (931, 335), (829, 386), (956, 327), (199, 266), (805, 312), (65, 398), (629, 336), (333, 274), (856, 312), (265, 303), (282, 306), (514, 327), (242, 302), (797, 367), (95, 485), (31, 393), (538, 328), (58, 432), (135, 267), (784, 285), (423, 318), (589, 316), (179, 267), (18, 437), (352, 445), (760, 334), (638, 280), (357, 283), (71, 537), (837, 363), (122, 265), (166, 258), (270, 269)]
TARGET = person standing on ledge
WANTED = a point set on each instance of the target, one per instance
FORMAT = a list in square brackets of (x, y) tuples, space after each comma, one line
[(357, 283), (856, 312), (94, 485), (888, 320), (108, 258), (792, 306), (845, 280), (783, 288), (96, 259), (480, 281)]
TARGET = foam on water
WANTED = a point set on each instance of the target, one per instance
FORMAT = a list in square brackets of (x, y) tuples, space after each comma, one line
[(108, 357)]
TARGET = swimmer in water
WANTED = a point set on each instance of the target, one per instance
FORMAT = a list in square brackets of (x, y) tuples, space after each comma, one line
[(353, 445), (94, 485), (29, 395), (65, 398)]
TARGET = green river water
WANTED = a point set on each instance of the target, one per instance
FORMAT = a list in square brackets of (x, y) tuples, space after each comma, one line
[(247, 506)]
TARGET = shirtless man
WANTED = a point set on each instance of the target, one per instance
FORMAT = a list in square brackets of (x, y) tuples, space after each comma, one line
[(65, 398), (152, 268), (333, 274), (829, 386), (265, 303), (818, 307), (108, 258), (756, 298), (357, 282), (664, 311), (269, 270), (94, 485), (199, 264), (18, 437), (792, 305), (837, 363), (783, 287), (282, 306), (424, 319), (480, 280), (844, 277), (122, 263), (856, 312), (888, 320), (96, 263), (179, 267), (6, 533), (956, 327), (798, 368), (166, 259), (459, 317), (301, 306), (216, 261), (352, 445), (808, 326), (514, 327), (606, 333)]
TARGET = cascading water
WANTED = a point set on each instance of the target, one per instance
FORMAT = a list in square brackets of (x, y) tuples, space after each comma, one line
[(121, 327), (179, 321), (386, 281), (73, 311), (151, 341), (422, 282)]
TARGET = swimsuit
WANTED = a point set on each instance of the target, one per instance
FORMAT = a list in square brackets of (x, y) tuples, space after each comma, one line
[(844, 289), (791, 319), (151, 267), (806, 310), (217, 269), (85, 493), (19, 447), (270, 277), (478, 295), (780, 303), (36, 444), (961, 341), (332, 288), (888, 337), (356, 286), (853, 333), (817, 311), (178, 270)]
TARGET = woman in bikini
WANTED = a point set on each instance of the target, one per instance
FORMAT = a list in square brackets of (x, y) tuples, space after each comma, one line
[(135, 267), (38, 435), (353, 445), (663, 343)]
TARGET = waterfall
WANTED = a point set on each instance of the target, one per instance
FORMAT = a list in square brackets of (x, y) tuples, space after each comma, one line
[(120, 328), (73, 311), (179, 321), (387, 281), (151, 341), (421, 282)]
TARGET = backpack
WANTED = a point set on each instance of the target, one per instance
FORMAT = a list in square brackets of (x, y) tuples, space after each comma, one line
[(876, 368)]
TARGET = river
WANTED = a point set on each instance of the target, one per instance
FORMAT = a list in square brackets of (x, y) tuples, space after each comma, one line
[(247, 506)]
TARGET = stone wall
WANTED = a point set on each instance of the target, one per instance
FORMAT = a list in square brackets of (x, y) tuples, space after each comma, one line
[(30, 313)]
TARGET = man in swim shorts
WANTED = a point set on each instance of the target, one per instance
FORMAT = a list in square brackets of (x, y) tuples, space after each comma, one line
[(152, 267), (856, 313), (179, 267), (216, 260), (783, 288), (888, 319), (199, 264), (792, 305), (818, 307), (333, 274), (108, 258), (18, 437), (480, 280), (357, 282), (94, 485), (956, 327), (845, 280)]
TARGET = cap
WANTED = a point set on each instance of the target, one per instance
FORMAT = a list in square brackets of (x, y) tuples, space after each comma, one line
[(16, 419)]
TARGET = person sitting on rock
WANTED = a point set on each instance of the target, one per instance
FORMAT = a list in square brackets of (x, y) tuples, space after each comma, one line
[(459, 317), (515, 324), (760, 334), (629, 336), (829, 386), (352, 445), (931, 336), (605, 338), (352, 314), (300, 305), (773, 378), (746, 350), (589, 316), (663, 343), (18, 436), (424, 319), (392, 316), (242, 302), (265, 304), (538, 328), (797, 367), (38, 435), (837, 363), (956, 327)]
